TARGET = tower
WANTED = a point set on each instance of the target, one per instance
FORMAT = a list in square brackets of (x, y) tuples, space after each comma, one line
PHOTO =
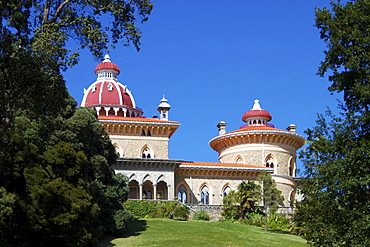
[(259, 143), (163, 109)]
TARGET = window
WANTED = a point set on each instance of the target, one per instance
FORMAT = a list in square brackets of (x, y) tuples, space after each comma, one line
[(148, 133), (270, 161), (110, 87), (204, 195), (226, 191), (182, 194), (146, 153)]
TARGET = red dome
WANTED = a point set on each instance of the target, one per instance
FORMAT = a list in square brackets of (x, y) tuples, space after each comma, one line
[(107, 65), (107, 93), (257, 114)]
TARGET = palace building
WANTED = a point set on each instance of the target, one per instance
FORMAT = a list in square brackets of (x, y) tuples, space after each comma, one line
[(142, 145)]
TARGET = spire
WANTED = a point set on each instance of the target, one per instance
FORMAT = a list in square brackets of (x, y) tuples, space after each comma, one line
[(106, 58), (256, 105)]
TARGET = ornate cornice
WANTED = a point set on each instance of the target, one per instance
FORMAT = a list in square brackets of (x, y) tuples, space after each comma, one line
[(273, 137)]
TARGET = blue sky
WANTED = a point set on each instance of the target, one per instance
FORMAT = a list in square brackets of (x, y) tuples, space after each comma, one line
[(212, 59)]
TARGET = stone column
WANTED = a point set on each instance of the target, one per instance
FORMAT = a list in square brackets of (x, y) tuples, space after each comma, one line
[(106, 110), (155, 191), (141, 191)]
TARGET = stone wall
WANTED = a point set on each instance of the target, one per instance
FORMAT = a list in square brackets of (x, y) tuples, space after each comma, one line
[(132, 147)]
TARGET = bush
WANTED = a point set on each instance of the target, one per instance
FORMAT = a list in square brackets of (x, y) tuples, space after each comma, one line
[(152, 209), (275, 221), (181, 212), (279, 222), (140, 208), (201, 215), (122, 218), (255, 219)]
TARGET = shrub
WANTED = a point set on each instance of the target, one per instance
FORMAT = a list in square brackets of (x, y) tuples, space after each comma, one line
[(255, 219), (201, 215), (181, 212), (279, 222), (152, 209), (275, 221), (140, 208)]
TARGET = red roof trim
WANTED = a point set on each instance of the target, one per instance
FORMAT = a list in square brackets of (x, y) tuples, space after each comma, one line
[(138, 119)]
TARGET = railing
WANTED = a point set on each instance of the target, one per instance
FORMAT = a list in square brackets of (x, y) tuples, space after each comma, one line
[(205, 207)]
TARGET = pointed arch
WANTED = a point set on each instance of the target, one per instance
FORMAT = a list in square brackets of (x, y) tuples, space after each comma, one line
[(270, 161), (147, 177), (239, 159), (205, 193), (183, 192), (162, 178), (146, 152), (225, 190)]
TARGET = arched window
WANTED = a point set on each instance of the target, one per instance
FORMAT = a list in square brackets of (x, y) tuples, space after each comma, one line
[(142, 132), (204, 195), (148, 133), (226, 191), (270, 161), (182, 194), (146, 153)]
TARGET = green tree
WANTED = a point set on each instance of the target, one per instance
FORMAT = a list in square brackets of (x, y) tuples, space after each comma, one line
[(248, 195), (34, 35), (336, 208), (238, 204), (271, 196)]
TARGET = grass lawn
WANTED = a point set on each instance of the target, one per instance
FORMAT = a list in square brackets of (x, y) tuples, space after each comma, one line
[(166, 232)]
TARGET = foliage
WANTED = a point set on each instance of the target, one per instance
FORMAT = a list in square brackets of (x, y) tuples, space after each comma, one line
[(201, 215), (57, 187), (34, 35), (237, 205), (275, 221), (54, 187), (181, 212), (152, 209), (271, 196), (335, 211), (345, 29)]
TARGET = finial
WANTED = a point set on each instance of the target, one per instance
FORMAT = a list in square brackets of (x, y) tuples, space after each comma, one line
[(256, 105), (163, 99), (106, 58)]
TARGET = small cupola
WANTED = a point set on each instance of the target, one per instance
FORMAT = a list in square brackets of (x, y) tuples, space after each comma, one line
[(163, 109), (257, 116)]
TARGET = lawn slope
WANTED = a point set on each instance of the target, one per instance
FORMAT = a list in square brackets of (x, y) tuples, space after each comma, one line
[(165, 232)]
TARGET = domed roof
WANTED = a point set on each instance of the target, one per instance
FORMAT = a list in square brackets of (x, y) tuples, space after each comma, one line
[(107, 93), (107, 65), (256, 113)]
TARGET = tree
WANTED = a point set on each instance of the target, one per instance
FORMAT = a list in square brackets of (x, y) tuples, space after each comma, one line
[(238, 204), (271, 196), (34, 35), (345, 29), (57, 185), (248, 195), (336, 208)]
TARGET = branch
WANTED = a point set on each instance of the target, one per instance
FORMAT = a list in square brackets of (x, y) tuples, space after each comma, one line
[(4, 126), (46, 12), (59, 9)]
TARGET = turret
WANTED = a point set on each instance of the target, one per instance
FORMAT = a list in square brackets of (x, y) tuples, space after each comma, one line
[(163, 109)]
